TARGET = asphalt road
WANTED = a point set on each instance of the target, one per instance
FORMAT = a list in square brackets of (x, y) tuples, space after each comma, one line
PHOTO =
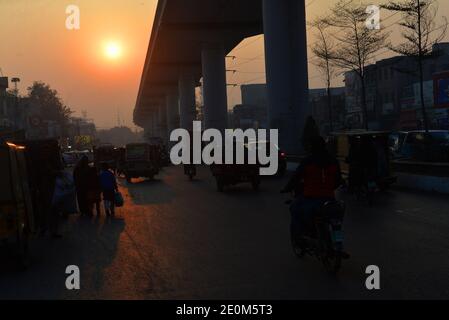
[(177, 239)]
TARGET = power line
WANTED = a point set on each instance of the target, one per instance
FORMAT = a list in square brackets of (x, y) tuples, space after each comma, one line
[(309, 60), (249, 60), (249, 72), (249, 43), (252, 80), (339, 31)]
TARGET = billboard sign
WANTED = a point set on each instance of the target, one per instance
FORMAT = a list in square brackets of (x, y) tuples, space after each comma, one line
[(441, 89)]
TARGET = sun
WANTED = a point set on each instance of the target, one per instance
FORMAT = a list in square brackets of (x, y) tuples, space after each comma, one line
[(112, 50)]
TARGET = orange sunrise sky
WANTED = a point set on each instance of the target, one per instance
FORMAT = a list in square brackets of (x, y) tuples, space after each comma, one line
[(98, 68)]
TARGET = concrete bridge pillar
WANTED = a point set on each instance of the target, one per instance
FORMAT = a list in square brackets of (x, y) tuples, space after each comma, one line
[(214, 86), (186, 88), (172, 102), (172, 105), (155, 119), (162, 123), (286, 68), (149, 129)]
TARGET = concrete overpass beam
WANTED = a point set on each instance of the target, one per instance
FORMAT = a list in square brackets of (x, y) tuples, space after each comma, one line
[(286, 67), (186, 87), (214, 87)]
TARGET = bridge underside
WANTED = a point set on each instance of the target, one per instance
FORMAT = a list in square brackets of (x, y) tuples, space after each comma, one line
[(180, 31), (190, 40)]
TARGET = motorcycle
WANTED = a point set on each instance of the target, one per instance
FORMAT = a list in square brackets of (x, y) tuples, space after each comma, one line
[(324, 236)]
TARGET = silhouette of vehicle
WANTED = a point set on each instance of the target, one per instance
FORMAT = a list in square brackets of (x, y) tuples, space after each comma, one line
[(141, 160)]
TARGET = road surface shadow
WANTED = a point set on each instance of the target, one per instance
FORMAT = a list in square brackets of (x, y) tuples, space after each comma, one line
[(145, 192), (97, 249), (88, 243)]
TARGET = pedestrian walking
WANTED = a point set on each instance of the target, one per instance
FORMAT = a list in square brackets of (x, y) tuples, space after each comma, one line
[(80, 176), (64, 192), (109, 188), (94, 191)]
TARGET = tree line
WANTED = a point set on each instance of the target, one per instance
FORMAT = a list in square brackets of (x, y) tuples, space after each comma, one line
[(47, 100)]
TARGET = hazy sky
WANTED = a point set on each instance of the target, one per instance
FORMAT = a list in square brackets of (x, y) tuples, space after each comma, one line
[(35, 45)]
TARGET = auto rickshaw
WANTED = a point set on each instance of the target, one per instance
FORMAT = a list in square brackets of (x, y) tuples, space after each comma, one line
[(232, 174), (16, 209), (105, 153), (141, 160), (364, 149)]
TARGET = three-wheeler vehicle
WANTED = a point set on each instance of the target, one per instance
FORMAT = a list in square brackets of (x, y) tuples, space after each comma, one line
[(16, 210), (233, 174), (365, 160), (105, 153), (141, 160)]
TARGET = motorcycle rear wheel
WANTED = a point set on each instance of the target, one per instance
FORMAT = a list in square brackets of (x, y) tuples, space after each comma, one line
[(330, 257)]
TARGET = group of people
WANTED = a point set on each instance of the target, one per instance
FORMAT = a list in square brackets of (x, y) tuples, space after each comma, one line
[(81, 192), (91, 184)]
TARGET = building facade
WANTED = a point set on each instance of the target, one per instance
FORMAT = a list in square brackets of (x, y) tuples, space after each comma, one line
[(318, 101), (393, 92)]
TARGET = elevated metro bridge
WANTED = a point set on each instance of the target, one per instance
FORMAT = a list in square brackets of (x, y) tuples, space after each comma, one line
[(190, 40)]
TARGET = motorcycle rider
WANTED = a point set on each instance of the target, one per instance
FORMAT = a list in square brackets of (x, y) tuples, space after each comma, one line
[(314, 183)]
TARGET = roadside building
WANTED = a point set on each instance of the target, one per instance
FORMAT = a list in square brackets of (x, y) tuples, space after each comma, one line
[(392, 87), (13, 111), (253, 111), (255, 94), (318, 101), (81, 133), (249, 116)]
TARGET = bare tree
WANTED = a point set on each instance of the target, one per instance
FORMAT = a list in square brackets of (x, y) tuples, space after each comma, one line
[(421, 33), (356, 43), (324, 51)]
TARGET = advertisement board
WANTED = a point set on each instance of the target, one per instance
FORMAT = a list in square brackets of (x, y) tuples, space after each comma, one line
[(441, 89)]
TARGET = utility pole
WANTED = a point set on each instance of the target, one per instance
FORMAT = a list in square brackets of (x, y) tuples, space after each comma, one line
[(16, 98), (119, 121)]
